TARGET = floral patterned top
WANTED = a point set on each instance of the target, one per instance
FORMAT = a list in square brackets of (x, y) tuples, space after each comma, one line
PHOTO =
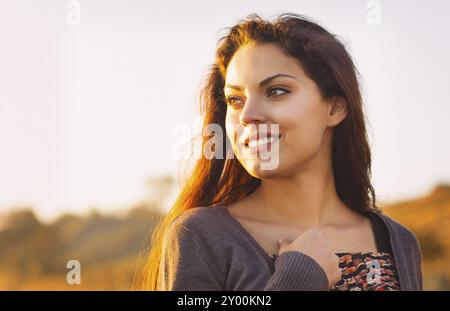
[(368, 272)]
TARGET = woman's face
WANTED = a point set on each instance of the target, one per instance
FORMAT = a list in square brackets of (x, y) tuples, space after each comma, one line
[(265, 86)]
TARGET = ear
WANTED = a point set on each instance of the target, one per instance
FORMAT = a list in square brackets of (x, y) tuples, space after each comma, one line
[(337, 110)]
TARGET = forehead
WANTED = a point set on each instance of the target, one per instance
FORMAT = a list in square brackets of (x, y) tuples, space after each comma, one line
[(253, 63)]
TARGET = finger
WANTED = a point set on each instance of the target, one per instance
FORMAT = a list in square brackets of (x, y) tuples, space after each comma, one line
[(284, 242)]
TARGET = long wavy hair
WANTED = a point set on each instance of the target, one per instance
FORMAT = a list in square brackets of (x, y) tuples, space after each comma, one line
[(326, 61)]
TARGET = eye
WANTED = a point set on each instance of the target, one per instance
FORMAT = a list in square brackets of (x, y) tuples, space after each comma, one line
[(231, 100), (277, 91)]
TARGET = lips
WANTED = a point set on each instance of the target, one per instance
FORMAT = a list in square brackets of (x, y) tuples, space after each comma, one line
[(259, 138), (262, 141)]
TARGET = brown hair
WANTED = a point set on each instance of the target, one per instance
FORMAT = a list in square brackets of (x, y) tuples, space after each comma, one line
[(223, 181)]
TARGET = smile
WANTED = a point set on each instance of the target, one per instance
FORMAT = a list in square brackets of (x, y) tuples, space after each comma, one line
[(262, 141)]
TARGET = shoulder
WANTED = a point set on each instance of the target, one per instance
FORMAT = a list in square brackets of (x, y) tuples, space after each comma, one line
[(197, 218), (190, 229), (189, 257), (399, 228), (401, 232), (203, 223)]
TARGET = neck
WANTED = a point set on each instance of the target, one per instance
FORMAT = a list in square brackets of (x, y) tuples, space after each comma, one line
[(307, 199)]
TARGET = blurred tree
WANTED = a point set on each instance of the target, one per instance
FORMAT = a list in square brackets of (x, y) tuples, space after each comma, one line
[(432, 248), (22, 218)]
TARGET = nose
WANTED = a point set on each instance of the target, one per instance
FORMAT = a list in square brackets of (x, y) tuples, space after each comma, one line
[(251, 113)]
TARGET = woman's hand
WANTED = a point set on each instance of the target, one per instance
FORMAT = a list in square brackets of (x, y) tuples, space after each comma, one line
[(314, 243)]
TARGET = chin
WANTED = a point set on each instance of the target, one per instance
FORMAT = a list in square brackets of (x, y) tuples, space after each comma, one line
[(261, 171)]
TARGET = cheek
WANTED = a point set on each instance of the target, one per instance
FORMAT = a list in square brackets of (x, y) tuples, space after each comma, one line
[(229, 125), (232, 129), (304, 129)]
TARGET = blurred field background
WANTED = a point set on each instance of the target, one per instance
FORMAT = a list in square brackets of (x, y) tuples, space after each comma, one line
[(33, 255), (109, 247)]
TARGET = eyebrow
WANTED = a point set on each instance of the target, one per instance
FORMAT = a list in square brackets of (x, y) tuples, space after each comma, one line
[(263, 82)]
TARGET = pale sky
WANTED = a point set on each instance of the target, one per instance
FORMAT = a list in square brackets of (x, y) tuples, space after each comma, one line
[(87, 110)]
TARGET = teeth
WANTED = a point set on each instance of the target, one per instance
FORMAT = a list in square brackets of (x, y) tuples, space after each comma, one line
[(261, 141)]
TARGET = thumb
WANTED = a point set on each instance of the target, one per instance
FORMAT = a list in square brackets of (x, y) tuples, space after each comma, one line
[(283, 243)]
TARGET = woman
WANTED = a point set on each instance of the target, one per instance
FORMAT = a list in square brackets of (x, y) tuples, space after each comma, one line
[(307, 218)]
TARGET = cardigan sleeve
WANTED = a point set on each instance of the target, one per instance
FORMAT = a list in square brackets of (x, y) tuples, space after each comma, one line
[(295, 271), (185, 264), (419, 256)]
